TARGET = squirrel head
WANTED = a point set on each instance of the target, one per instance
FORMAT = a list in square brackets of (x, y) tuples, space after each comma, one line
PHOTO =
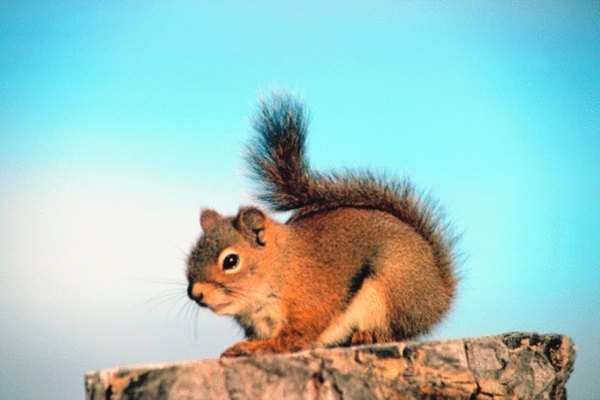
[(226, 269)]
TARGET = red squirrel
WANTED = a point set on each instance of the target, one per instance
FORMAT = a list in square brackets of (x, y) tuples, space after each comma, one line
[(362, 259)]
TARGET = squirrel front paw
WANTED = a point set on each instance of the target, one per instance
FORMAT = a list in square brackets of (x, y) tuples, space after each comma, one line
[(249, 348)]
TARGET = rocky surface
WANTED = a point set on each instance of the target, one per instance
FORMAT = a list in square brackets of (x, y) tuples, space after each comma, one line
[(513, 365)]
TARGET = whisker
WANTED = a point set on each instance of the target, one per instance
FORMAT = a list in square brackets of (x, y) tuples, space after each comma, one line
[(162, 281), (196, 313), (176, 246), (182, 299), (183, 310), (191, 316), (162, 298)]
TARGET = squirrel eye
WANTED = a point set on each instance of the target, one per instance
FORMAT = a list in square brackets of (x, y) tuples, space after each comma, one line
[(231, 261)]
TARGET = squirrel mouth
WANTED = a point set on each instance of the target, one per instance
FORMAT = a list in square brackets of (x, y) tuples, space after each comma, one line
[(218, 308)]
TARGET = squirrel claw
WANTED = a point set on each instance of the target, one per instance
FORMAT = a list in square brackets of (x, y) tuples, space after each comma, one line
[(366, 337)]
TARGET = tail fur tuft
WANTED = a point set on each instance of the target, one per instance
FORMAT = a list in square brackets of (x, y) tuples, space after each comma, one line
[(277, 154)]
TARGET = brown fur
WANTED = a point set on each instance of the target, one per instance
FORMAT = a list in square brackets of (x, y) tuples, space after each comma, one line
[(360, 260)]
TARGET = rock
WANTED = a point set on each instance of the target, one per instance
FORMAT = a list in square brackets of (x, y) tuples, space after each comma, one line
[(513, 365)]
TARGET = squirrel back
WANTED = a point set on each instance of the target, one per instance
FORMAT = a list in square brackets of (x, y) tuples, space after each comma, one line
[(277, 159), (362, 259)]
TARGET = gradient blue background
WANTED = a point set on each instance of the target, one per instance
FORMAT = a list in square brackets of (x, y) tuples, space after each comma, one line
[(120, 120)]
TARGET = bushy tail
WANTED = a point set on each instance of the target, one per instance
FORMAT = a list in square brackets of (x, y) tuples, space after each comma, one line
[(277, 159), (277, 154)]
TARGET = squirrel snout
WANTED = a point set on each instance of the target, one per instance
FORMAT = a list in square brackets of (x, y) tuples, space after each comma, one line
[(195, 293)]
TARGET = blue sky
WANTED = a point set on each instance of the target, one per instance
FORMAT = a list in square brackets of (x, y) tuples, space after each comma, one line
[(119, 121)]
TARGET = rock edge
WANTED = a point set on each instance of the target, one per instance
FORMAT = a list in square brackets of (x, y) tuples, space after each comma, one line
[(511, 365)]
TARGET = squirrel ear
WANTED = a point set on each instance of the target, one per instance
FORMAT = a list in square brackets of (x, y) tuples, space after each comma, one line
[(208, 219), (251, 221)]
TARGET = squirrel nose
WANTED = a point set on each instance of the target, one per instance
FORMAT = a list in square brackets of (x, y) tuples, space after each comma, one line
[(194, 292)]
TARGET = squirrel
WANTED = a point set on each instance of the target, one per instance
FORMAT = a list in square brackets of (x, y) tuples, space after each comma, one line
[(361, 259)]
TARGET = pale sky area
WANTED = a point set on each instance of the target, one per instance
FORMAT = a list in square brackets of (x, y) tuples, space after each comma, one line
[(120, 120)]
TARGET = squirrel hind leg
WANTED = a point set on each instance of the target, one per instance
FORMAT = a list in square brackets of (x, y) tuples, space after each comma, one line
[(366, 313)]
